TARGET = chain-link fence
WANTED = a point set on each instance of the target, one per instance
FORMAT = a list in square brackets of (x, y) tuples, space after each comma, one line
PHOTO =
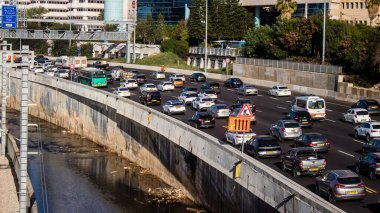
[(328, 69)]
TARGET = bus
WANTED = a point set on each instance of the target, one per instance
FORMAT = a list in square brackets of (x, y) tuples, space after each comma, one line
[(315, 105), (92, 77)]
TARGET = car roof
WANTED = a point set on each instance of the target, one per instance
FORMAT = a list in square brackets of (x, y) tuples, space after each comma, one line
[(174, 101), (297, 149), (167, 82), (344, 173), (264, 136), (359, 109), (312, 133), (368, 100), (374, 123), (377, 154), (288, 121), (220, 105)]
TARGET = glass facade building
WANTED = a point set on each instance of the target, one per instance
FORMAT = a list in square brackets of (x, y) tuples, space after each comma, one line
[(172, 10)]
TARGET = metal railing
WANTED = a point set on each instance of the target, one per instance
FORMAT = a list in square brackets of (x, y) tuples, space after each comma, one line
[(216, 51), (328, 69)]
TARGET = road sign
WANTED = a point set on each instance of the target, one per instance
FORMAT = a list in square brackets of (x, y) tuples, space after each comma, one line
[(228, 60), (245, 112), (9, 16), (236, 124)]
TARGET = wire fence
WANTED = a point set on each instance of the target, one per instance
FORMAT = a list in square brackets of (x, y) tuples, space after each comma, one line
[(328, 69)]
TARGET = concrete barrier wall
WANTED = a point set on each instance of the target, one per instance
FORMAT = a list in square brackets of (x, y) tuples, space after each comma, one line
[(348, 90), (181, 155)]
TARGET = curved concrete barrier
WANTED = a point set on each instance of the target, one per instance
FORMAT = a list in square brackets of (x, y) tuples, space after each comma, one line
[(181, 155)]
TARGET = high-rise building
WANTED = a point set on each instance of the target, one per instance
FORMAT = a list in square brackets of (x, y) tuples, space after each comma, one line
[(172, 10)]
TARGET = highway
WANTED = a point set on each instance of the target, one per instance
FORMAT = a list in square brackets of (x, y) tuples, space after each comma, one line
[(345, 149)]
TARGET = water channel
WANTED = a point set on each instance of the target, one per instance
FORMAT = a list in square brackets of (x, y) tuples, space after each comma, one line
[(83, 177)]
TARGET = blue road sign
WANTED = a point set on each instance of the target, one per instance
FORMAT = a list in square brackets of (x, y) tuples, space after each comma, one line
[(9, 16)]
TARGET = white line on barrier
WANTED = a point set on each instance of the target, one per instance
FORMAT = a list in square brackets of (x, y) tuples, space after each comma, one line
[(346, 153), (359, 141), (330, 120), (280, 107)]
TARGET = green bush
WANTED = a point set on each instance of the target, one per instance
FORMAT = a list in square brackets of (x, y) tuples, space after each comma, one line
[(180, 48)]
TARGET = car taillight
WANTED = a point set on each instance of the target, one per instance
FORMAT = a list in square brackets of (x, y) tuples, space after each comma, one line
[(301, 164), (201, 102), (200, 120), (373, 130), (311, 144), (238, 136), (377, 164), (283, 129), (339, 186), (324, 162), (362, 185), (296, 118), (355, 115), (327, 143)]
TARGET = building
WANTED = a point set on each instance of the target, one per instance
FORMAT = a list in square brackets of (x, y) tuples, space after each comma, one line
[(67, 9), (172, 10), (352, 11)]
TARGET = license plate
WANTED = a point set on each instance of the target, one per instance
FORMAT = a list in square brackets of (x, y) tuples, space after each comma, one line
[(293, 130), (320, 144), (374, 107), (362, 120), (353, 192), (313, 169), (124, 93), (304, 122), (270, 152), (207, 121), (177, 107)]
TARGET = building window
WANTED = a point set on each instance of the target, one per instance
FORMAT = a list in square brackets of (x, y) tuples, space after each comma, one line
[(361, 5), (365, 22), (352, 5), (347, 5), (342, 5), (357, 5)]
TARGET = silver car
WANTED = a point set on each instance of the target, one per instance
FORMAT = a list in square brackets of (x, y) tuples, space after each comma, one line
[(174, 107), (247, 90), (340, 185), (219, 111), (286, 129)]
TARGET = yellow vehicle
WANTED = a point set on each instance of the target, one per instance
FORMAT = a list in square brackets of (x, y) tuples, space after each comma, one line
[(178, 83)]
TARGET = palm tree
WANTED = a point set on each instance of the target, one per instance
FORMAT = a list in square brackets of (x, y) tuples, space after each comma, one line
[(36, 12), (373, 9), (286, 8)]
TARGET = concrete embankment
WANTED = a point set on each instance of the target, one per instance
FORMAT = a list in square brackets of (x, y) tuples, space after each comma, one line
[(182, 156)]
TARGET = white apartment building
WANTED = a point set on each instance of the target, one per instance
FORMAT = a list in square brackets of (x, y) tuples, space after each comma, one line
[(67, 9)]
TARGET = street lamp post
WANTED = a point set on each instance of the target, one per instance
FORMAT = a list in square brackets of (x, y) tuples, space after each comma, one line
[(205, 63), (324, 33)]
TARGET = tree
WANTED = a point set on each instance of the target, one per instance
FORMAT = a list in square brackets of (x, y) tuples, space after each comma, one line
[(160, 29), (373, 9), (286, 8), (196, 21), (36, 12), (101, 16), (151, 33), (180, 31)]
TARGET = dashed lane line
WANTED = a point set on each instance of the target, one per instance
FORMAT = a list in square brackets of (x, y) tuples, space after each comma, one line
[(329, 110), (330, 120), (260, 95), (230, 90), (220, 101), (359, 141), (174, 96), (371, 191), (273, 98), (226, 127), (346, 153), (288, 101), (280, 107), (258, 110)]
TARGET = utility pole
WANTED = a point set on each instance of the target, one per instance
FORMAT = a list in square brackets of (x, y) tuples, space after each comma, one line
[(205, 63), (134, 44), (324, 33)]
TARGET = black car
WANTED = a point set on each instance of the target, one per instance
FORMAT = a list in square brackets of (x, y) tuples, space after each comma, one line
[(109, 78), (197, 77), (202, 120), (371, 105), (140, 78), (233, 82), (372, 146), (316, 141), (189, 89), (150, 98), (303, 117), (240, 102), (211, 85), (369, 164), (263, 146)]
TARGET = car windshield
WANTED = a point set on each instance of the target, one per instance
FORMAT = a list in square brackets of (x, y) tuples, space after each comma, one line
[(371, 103), (244, 101), (304, 153), (318, 104), (362, 113), (282, 88), (179, 76), (191, 95), (209, 92), (303, 113), (291, 125), (62, 71), (150, 86), (99, 74), (222, 107), (154, 95), (123, 89), (265, 142), (177, 103), (141, 76), (317, 137), (131, 81), (205, 116), (167, 84), (349, 180), (206, 99), (375, 126), (192, 89), (214, 84), (250, 87)]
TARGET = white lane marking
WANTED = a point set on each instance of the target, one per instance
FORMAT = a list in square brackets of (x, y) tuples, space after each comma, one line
[(193, 82), (273, 98), (220, 101), (260, 95), (174, 96), (230, 89), (359, 141), (280, 107), (288, 101), (329, 110), (346, 153), (258, 110), (330, 120)]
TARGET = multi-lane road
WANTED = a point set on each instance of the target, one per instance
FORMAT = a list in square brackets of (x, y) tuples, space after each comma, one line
[(345, 149)]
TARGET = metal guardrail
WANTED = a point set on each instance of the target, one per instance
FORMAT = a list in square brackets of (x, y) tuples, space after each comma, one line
[(216, 51), (14, 154), (328, 69)]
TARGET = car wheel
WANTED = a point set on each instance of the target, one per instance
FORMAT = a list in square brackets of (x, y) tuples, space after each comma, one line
[(169, 113), (372, 175), (368, 138), (317, 191), (356, 135), (196, 126), (357, 169), (353, 121), (295, 173), (283, 167), (332, 197)]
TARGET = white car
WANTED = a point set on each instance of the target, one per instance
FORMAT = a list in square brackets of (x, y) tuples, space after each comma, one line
[(158, 75), (247, 90), (61, 74), (208, 93), (123, 92), (279, 91), (174, 107), (286, 129), (149, 87), (49, 73), (175, 76), (357, 115), (38, 69), (187, 97), (202, 103), (165, 86), (130, 84), (368, 130), (236, 138)]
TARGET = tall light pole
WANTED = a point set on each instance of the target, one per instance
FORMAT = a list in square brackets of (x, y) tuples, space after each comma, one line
[(324, 33), (205, 64)]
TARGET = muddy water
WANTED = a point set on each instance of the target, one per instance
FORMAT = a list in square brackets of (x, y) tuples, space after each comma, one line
[(83, 177)]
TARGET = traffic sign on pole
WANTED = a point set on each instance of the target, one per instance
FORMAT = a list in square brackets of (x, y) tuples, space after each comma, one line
[(9, 16), (245, 112), (237, 124)]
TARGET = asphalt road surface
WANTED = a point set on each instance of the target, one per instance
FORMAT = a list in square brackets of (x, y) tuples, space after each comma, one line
[(345, 149)]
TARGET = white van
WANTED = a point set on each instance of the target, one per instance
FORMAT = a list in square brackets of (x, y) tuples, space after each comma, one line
[(315, 105)]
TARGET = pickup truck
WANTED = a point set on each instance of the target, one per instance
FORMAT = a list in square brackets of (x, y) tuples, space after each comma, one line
[(236, 138), (302, 161)]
